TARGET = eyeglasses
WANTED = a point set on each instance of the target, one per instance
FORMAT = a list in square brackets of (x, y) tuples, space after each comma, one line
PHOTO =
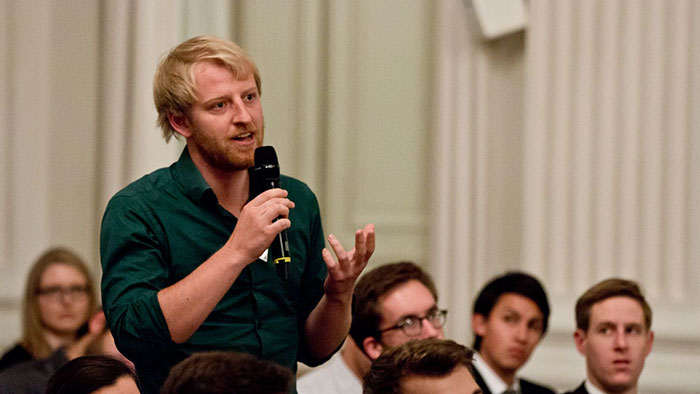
[(412, 326), (57, 293)]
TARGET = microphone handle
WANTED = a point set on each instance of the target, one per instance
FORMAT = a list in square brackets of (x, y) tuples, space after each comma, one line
[(282, 262), (279, 249)]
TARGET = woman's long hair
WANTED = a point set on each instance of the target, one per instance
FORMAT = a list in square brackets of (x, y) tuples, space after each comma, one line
[(33, 339)]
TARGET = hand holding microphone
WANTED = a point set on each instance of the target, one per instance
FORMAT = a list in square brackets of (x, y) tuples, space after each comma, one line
[(265, 175)]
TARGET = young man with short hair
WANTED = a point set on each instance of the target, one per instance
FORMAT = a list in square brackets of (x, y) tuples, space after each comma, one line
[(393, 304), (509, 319), (613, 332), (183, 249)]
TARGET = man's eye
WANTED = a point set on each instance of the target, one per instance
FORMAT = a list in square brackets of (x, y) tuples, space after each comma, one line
[(250, 97), (409, 321)]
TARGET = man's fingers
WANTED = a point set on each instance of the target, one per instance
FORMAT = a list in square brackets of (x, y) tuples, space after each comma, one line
[(281, 224), (370, 240), (360, 243), (364, 244), (331, 264), (276, 208), (338, 249), (263, 197)]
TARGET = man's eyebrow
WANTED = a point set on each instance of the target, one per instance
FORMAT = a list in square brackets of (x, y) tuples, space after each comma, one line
[(512, 310), (431, 309), (605, 324), (213, 99)]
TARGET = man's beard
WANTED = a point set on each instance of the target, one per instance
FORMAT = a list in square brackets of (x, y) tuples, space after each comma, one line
[(222, 157)]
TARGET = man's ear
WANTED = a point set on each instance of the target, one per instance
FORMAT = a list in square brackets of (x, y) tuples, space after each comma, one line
[(580, 340), (373, 348), (650, 342), (479, 323), (180, 123)]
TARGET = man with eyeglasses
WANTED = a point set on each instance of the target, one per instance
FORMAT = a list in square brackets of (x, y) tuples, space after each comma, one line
[(393, 304), (509, 319)]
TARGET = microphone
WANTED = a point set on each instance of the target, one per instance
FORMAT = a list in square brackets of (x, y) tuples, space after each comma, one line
[(265, 175)]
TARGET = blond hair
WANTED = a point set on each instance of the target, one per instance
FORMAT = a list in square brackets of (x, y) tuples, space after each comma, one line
[(174, 82), (33, 339)]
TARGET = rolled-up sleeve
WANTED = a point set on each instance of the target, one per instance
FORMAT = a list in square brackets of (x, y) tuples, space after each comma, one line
[(134, 270)]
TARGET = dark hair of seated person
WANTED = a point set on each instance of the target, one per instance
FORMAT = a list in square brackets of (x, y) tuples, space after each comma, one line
[(87, 374), (221, 372)]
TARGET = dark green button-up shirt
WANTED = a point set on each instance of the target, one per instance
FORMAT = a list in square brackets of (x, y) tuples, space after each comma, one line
[(159, 229)]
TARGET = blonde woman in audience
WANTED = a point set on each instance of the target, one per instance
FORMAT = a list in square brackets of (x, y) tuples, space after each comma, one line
[(58, 300)]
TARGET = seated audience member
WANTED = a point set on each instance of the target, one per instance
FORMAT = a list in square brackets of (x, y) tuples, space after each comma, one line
[(31, 377), (424, 366), (393, 304), (613, 332), (509, 319), (95, 374), (58, 299), (219, 372)]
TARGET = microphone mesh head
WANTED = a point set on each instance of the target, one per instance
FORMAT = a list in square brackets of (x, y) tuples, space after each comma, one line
[(266, 156)]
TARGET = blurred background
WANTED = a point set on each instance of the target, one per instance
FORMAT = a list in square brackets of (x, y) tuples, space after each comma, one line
[(553, 136)]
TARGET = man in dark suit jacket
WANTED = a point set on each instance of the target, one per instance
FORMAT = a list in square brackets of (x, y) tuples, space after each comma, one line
[(509, 319), (579, 390), (613, 332)]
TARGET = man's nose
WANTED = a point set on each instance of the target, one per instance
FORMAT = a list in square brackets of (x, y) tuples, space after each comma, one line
[(430, 331), (241, 114), (521, 332), (620, 340)]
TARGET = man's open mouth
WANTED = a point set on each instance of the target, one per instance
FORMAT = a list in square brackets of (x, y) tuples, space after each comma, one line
[(244, 136)]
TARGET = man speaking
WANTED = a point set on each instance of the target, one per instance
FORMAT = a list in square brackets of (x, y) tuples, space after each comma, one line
[(182, 249)]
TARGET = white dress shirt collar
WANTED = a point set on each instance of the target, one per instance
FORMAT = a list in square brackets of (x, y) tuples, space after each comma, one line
[(494, 382), (592, 389)]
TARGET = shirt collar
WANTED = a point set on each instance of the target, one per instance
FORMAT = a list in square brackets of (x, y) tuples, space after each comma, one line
[(591, 388), (494, 382), (188, 177)]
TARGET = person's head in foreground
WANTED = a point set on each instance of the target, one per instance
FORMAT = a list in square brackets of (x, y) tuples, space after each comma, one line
[(221, 372), (95, 374), (613, 333), (425, 366)]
